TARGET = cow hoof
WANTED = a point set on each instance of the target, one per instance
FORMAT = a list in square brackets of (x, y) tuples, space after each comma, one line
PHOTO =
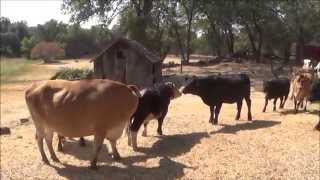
[(144, 134), (116, 157), (264, 111), (46, 161), (60, 149), (160, 133), (55, 159), (82, 143), (93, 167)]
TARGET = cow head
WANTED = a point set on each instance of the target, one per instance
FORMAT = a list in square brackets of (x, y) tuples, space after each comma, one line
[(191, 86), (170, 89)]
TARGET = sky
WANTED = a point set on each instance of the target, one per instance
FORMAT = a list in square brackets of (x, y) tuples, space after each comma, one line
[(36, 12)]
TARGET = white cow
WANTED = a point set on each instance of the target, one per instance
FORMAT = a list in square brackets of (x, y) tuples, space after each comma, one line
[(307, 64)]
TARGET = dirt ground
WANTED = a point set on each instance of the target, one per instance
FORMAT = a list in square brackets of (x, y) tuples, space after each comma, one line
[(276, 145)]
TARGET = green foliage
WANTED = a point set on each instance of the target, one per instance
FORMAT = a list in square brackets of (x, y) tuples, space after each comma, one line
[(10, 44), (27, 44), (73, 74), (51, 31)]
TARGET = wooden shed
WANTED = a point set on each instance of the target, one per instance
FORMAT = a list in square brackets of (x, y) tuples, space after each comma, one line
[(129, 62)]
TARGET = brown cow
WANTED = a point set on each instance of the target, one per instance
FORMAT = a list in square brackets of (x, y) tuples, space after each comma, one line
[(300, 89), (81, 108)]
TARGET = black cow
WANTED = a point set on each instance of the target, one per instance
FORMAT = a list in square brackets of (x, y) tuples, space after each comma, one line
[(218, 89), (274, 89), (315, 96), (153, 104)]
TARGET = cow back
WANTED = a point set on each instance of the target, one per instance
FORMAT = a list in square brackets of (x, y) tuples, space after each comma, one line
[(224, 88), (80, 108)]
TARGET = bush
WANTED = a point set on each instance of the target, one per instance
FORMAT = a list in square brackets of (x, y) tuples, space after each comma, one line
[(73, 74), (10, 45), (26, 45), (47, 51)]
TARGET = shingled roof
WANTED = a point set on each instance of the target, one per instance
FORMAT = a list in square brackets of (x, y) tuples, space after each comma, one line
[(132, 44)]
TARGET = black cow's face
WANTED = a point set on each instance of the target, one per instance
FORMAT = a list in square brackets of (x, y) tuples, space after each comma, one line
[(191, 87)]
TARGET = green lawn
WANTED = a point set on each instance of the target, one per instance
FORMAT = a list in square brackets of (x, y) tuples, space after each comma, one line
[(13, 67)]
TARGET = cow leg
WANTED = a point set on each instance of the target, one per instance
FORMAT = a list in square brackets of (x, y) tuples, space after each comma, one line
[(115, 153), (60, 140), (39, 137), (82, 142), (281, 100), (248, 101), (284, 101), (145, 129), (133, 140), (275, 103), (265, 104), (134, 128), (216, 113), (305, 107), (317, 127), (295, 105), (160, 121), (239, 107), (301, 103), (48, 138), (211, 113), (98, 141)]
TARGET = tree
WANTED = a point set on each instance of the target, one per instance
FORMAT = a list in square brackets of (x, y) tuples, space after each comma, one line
[(5, 24), (51, 31), (10, 44), (81, 11), (78, 42), (27, 44), (20, 29), (48, 51)]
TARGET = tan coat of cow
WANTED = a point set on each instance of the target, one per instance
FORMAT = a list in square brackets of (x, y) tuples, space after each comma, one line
[(300, 89), (81, 108)]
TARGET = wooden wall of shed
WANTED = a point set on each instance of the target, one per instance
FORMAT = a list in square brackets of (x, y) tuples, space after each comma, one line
[(139, 70), (133, 69), (98, 68)]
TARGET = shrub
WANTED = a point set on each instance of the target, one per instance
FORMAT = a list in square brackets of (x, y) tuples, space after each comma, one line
[(47, 51), (73, 74), (26, 45)]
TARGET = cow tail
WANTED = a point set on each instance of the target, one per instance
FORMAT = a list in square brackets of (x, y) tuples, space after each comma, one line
[(135, 89)]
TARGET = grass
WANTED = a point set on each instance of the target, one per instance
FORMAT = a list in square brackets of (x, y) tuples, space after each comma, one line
[(10, 68)]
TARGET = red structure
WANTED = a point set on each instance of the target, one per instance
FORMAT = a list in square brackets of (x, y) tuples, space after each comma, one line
[(309, 52)]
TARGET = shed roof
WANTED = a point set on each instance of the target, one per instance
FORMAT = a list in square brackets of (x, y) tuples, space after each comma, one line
[(132, 44)]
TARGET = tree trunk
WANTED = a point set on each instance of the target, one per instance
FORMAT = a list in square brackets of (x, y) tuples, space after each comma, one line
[(180, 45), (230, 39), (260, 40), (300, 46), (251, 39), (287, 52)]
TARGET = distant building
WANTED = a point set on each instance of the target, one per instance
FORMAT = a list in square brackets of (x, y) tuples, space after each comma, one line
[(129, 62), (310, 50)]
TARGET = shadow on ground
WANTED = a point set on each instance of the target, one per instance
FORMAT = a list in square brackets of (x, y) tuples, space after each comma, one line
[(166, 147), (167, 169), (256, 124), (292, 111)]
